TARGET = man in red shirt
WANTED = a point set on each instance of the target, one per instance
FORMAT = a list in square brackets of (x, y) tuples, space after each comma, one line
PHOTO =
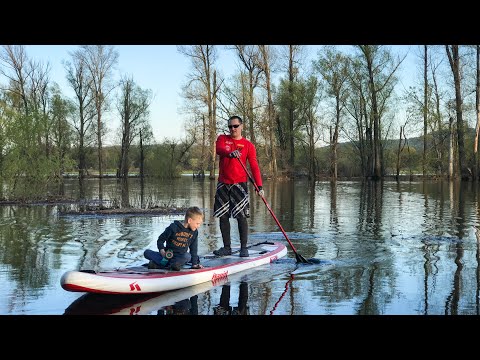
[(231, 197)]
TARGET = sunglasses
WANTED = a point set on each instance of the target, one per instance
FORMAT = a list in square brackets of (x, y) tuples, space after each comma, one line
[(233, 126)]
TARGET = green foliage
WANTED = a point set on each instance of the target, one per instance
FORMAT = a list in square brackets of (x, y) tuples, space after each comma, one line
[(162, 162), (26, 168)]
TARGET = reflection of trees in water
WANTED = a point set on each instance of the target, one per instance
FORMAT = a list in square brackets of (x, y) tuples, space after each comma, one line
[(311, 204), (372, 280), (371, 284), (266, 302), (286, 216), (125, 203), (430, 267), (132, 192), (458, 213), (333, 207), (368, 305), (89, 243), (440, 266), (451, 303), (476, 226), (206, 303), (262, 294), (22, 249), (477, 273), (429, 254), (476, 205), (294, 212), (103, 249), (370, 209)]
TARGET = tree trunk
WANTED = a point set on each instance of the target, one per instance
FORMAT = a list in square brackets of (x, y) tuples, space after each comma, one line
[(425, 111), (450, 149), (270, 114), (214, 114), (397, 177), (477, 105), (99, 146), (212, 121), (251, 87), (454, 59), (142, 158), (291, 138)]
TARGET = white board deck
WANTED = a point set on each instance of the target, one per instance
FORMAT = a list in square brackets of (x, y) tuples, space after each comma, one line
[(141, 280)]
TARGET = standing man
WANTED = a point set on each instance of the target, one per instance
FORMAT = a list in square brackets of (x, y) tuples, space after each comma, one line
[(231, 197)]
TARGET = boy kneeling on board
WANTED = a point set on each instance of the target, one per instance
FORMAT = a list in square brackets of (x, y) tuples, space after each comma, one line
[(173, 244)]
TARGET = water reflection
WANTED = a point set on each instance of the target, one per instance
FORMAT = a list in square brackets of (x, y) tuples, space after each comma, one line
[(451, 304), (393, 247), (292, 303), (125, 193), (477, 253), (183, 307), (224, 308), (22, 247), (178, 302)]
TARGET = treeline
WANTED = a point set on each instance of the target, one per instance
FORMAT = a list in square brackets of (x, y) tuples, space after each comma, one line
[(337, 115), (342, 114), (44, 134)]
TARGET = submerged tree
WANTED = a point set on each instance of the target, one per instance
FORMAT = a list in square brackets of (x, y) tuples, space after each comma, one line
[(453, 54), (333, 67), (202, 86), (99, 60), (133, 107), (79, 79)]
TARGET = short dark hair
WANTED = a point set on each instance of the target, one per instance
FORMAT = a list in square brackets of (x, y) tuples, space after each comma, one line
[(235, 117)]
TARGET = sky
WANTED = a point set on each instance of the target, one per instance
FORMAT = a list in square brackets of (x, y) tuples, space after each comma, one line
[(162, 69)]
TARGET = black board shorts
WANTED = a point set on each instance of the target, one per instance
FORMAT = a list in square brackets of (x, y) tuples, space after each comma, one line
[(232, 199)]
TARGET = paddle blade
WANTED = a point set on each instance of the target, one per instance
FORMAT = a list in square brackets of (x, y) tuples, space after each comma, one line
[(301, 259)]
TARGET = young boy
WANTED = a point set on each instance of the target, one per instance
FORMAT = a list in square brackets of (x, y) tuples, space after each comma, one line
[(178, 237)]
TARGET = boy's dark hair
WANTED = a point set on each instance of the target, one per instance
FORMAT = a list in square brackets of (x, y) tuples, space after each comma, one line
[(192, 212), (235, 117)]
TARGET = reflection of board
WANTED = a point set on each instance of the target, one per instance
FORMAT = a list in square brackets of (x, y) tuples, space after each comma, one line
[(140, 304), (141, 280)]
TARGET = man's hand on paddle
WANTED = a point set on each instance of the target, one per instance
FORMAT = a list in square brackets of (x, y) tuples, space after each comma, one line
[(235, 154), (260, 191)]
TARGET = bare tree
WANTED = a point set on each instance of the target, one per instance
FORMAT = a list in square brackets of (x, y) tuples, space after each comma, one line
[(454, 60), (376, 62), (333, 67), (202, 86), (14, 60), (266, 61), (99, 60), (133, 107), (249, 55), (438, 138), (79, 79), (309, 99), (359, 133), (425, 108), (477, 106)]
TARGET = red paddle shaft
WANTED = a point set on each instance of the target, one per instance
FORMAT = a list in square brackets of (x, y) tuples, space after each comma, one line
[(268, 207)]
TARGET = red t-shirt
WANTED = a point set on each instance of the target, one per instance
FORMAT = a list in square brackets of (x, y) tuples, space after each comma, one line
[(231, 171)]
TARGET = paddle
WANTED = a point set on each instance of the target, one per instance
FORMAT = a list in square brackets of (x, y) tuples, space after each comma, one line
[(299, 257)]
